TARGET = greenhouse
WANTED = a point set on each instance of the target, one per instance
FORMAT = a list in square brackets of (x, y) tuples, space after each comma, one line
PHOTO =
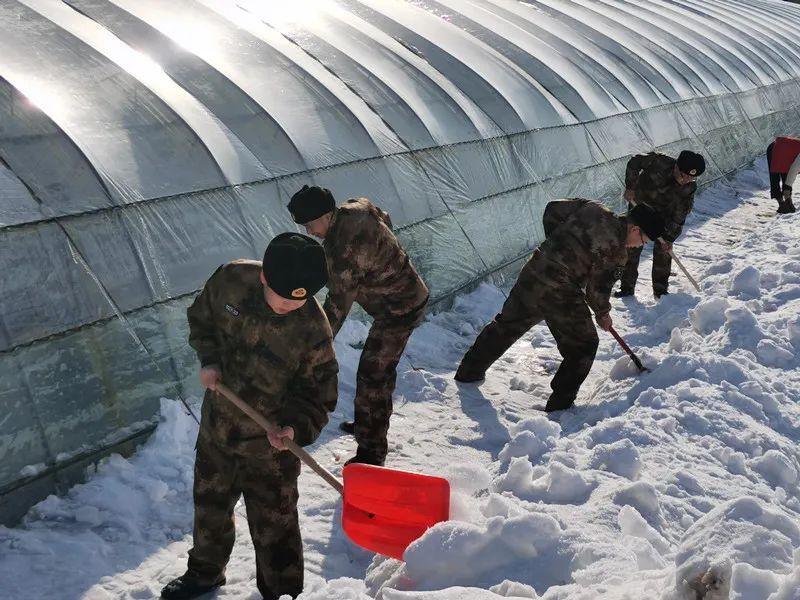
[(143, 143)]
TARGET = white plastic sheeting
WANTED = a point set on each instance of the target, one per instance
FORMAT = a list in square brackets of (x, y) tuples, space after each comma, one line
[(144, 142)]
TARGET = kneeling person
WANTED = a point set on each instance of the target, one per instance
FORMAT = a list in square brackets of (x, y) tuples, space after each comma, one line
[(367, 265), (257, 328), (572, 271)]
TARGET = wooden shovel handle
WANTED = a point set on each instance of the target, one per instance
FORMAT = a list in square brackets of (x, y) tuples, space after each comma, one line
[(685, 272), (304, 456), (675, 258)]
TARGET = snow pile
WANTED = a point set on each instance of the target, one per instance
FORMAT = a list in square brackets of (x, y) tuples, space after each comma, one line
[(735, 550), (678, 484), (747, 282)]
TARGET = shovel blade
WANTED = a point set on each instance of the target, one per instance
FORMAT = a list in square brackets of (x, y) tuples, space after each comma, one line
[(385, 509)]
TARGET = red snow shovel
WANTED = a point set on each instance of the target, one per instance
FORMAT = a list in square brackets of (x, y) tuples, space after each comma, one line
[(634, 358), (384, 509)]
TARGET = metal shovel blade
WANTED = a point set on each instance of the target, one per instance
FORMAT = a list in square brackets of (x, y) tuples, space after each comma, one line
[(385, 509)]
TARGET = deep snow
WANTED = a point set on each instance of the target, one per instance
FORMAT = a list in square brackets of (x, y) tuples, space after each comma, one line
[(656, 485)]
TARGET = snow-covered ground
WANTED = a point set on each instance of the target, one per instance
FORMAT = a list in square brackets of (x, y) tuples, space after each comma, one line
[(682, 479)]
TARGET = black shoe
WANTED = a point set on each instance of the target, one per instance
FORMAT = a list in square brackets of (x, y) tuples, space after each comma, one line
[(366, 458), (783, 208), (790, 207), (348, 427), (623, 293), (464, 375), (658, 295), (187, 587)]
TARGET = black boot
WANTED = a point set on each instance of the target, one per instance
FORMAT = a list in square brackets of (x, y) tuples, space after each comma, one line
[(365, 457), (783, 208), (789, 206), (623, 293), (466, 375), (187, 587), (348, 427), (557, 402)]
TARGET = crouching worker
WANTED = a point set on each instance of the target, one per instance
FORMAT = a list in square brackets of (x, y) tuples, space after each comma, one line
[(571, 272), (367, 265), (257, 328), (783, 160)]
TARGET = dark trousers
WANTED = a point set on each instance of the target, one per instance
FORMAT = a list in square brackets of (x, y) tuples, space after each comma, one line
[(662, 265), (267, 479), (776, 180), (568, 319), (376, 378)]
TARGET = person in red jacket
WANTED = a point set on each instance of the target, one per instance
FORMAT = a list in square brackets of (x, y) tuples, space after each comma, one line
[(783, 160)]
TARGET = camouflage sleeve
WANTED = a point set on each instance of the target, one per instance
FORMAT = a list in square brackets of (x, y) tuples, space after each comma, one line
[(202, 332), (674, 227), (338, 304), (636, 165), (598, 289), (312, 394)]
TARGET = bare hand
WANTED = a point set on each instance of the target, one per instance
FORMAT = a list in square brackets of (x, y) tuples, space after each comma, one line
[(277, 438), (666, 246), (604, 321), (630, 196), (210, 377)]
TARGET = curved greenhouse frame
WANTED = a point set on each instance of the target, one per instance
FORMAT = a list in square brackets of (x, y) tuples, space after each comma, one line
[(143, 143)]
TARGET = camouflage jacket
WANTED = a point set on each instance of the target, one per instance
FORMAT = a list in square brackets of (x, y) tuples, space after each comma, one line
[(281, 365), (366, 264), (653, 181), (584, 253)]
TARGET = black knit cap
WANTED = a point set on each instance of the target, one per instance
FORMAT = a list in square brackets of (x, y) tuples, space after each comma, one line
[(691, 163), (647, 220), (309, 203), (294, 266)]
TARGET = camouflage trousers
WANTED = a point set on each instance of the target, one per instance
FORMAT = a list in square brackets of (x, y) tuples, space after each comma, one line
[(267, 479), (569, 320), (376, 379), (662, 265)]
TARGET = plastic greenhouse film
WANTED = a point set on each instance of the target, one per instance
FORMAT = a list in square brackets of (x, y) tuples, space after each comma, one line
[(523, 93), (397, 184), (16, 203), (243, 117), (618, 42), (43, 158), (399, 96), (572, 88), (138, 145), (259, 61), (235, 161), (604, 69)]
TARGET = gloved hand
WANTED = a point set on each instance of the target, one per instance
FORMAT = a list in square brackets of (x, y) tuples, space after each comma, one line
[(787, 193)]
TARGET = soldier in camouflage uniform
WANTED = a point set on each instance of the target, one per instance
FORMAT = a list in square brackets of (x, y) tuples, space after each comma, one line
[(257, 328), (367, 265), (667, 185), (571, 272)]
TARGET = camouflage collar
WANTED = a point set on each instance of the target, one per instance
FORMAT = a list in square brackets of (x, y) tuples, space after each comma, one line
[(331, 234)]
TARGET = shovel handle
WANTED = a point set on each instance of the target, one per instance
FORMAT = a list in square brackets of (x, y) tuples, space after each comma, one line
[(298, 451), (627, 349), (677, 260), (682, 268)]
